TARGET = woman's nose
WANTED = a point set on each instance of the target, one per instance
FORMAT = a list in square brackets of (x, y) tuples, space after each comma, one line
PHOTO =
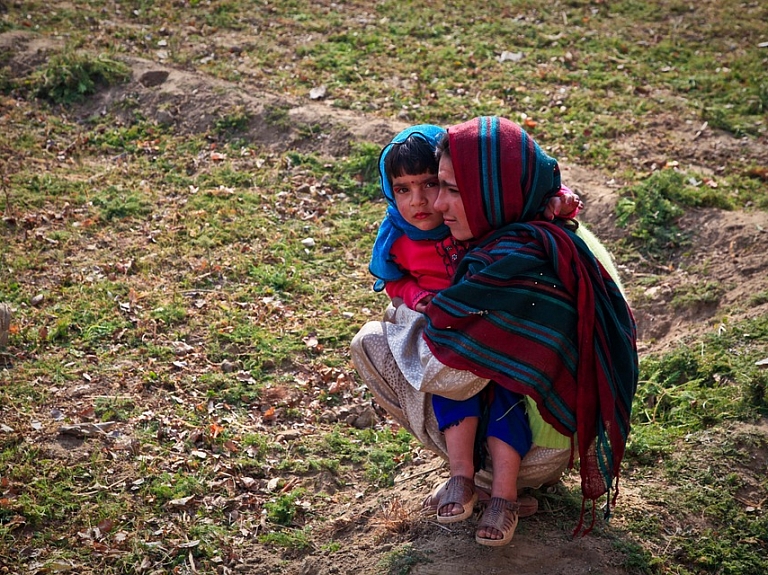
[(439, 203)]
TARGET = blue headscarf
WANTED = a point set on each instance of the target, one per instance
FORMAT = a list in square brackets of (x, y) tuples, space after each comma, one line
[(394, 225)]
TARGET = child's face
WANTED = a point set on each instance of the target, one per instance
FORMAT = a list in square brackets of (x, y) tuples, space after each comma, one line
[(415, 196)]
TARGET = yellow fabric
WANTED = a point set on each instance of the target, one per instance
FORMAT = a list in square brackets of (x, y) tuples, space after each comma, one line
[(602, 254), (544, 435)]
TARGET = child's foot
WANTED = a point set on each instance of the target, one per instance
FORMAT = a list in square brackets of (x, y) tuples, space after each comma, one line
[(498, 523), (458, 500)]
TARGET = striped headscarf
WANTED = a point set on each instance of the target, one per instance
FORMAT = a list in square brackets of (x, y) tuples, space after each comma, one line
[(531, 307)]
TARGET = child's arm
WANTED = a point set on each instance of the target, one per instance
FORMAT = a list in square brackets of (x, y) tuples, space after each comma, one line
[(407, 289)]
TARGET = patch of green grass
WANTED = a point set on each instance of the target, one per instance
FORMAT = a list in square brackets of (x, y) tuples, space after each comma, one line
[(698, 295), (284, 509), (381, 452), (400, 561), (233, 121), (727, 536), (358, 174), (695, 388), (636, 559), (649, 210), (277, 115), (115, 203), (71, 76), (42, 190), (113, 408), (291, 539), (170, 313), (230, 388), (166, 487)]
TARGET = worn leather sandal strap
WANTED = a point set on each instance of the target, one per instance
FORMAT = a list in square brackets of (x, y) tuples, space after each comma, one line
[(460, 491), (501, 515), (529, 505)]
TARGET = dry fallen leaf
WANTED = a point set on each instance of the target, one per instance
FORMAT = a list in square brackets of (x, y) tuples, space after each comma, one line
[(269, 414), (216, 429), (180, 502)]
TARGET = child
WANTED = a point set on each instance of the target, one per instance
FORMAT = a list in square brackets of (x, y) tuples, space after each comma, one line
[(414, 257), (410, 258)]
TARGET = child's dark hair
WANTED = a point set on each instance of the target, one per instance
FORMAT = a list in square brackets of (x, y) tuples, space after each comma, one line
[(415, 155)]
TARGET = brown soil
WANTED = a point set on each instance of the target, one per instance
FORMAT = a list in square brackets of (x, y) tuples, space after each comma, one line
[(729, 248)]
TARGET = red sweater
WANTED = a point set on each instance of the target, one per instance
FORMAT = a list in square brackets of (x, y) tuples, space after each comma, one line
[(428, 266)]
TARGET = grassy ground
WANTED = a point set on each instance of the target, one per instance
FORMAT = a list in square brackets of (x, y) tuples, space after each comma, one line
[(177, 387)]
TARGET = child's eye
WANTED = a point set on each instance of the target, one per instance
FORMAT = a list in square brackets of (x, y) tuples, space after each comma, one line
[(401, 190)]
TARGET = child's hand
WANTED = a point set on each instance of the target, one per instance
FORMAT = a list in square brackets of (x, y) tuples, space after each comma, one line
[(566, 204), (421, 305)]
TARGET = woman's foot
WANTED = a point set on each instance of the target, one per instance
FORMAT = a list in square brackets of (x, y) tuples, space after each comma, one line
[(458, 501), (498, 523)]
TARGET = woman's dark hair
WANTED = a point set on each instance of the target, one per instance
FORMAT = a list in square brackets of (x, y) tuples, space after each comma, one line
[(442, 148), (412, 156)]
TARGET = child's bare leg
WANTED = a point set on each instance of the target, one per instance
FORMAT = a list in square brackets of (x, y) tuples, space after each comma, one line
[(506, 467), (460, 444)]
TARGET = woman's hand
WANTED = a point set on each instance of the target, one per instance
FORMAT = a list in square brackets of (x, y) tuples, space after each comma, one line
[(397, 302)]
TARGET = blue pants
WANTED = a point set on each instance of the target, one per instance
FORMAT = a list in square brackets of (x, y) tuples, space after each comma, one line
[(506, 417)]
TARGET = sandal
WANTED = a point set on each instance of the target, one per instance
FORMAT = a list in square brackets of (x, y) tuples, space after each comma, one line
[(502, 516), (460, 491), (432, 501), (529, 505)]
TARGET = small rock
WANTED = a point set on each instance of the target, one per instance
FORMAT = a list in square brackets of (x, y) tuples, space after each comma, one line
[(164, 117), (153, 78), (317, 93), (510, 56), (328, 416), (228, 366), (37, 300), (289, 435), (366, 419)]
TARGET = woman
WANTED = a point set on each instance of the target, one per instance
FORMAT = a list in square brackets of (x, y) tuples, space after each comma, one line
[(531, 310)]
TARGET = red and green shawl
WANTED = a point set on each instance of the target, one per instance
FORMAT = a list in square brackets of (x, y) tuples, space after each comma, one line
[(531, 307)]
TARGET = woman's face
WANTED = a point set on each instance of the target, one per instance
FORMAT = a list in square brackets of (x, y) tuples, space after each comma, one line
[(449, 202)]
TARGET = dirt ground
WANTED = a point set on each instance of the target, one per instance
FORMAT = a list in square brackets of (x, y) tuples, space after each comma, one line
[(730, 248)]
